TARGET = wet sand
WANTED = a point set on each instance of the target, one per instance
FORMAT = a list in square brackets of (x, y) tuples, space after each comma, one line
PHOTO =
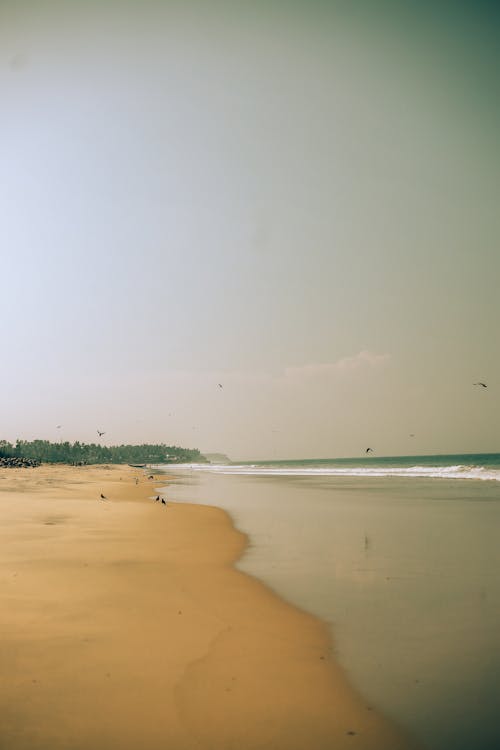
[(123, 623), (405, 571)]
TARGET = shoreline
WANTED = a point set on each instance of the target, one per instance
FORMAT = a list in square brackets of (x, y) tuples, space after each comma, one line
[(124, 622)]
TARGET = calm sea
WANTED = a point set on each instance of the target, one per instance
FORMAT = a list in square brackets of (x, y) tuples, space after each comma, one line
[(401, 556)]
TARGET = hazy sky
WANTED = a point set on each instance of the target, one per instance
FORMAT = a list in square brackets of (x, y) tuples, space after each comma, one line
[(298, 200)]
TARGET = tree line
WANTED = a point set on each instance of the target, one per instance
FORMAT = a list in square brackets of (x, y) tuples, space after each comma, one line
[(92, 453)]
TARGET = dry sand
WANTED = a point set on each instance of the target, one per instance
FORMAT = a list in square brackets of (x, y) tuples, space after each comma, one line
[(123, 625)]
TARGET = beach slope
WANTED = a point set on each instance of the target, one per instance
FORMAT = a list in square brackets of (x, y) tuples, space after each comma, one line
[(123, 623)]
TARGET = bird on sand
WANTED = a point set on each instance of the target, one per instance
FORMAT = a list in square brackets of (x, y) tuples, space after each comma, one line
[(369, 450), (100, 433), (157, 499), (483, 385), (163, 501), (103, 497)]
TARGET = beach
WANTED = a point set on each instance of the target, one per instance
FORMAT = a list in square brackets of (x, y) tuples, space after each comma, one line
[(124, 623)]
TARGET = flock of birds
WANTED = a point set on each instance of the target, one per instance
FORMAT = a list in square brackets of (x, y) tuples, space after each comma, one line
[(158, 498), (479, 383), (412, 435)]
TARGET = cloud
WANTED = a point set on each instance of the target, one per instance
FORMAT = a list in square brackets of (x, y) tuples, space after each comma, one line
[(204, 383), (364, 360)]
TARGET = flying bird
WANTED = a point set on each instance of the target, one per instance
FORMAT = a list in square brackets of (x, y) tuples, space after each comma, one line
[(483, 385), (369, 450), (100, 433)]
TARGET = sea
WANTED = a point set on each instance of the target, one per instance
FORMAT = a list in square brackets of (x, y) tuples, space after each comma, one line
[(401, 556)]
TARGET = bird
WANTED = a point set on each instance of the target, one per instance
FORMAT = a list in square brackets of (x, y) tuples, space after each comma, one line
[(412, 435), (103, 497), (483, 385), (100, 433), (157, 499), (163, 501), (220, 385), (58, 427), (369, 450)]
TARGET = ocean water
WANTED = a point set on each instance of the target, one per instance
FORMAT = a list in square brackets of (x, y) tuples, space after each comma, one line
[(401, 556), (461, 466)]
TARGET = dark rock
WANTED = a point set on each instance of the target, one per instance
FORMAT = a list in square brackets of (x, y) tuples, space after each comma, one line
[(17, 462)]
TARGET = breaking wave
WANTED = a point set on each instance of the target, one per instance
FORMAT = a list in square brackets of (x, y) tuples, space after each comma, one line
[(459, 471)]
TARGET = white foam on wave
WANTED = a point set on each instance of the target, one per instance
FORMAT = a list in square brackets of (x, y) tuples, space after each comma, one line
[(432, 472)]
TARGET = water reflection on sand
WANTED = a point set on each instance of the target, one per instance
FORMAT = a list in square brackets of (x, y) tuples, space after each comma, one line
[(407, 572)]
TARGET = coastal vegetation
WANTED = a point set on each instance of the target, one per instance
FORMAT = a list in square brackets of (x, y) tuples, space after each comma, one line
[(93, 453)]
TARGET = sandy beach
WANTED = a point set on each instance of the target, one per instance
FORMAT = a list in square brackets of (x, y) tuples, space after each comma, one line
[(123, 624)]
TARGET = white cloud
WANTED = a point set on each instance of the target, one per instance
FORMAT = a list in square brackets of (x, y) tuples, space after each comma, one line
[(364, 360)]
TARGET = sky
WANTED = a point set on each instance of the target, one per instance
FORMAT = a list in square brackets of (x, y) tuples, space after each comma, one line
[(298, 201)]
